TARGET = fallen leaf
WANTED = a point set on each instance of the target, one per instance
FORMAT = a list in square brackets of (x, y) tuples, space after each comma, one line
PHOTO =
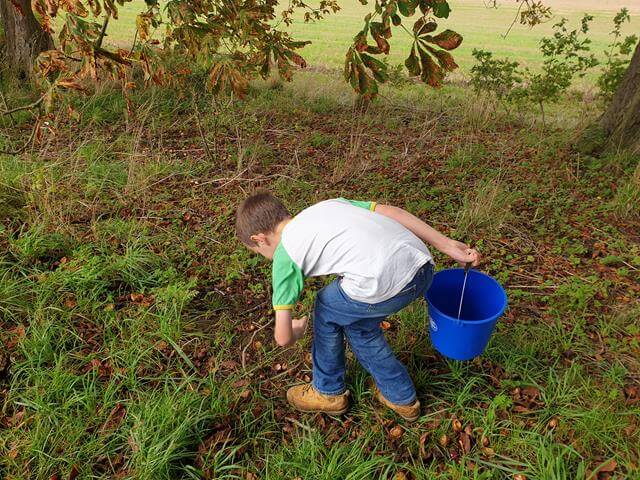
[(73, 473), (385, 325), (136, 297), (245, 394), (468, 430), (457, 425), (70, 302), (608, 466), (553, 423), (240, 383), (519, 476), (465, 442), (257, 344), (13, 450), (400, 476), (229, 365), (133, 445), (443, 440), (423, 441), (489, 452), (485, 442), (396, 432), (629, 429), (115, 417)]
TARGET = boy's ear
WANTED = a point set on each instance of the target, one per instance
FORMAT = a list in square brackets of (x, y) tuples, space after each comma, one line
[(259, 239)]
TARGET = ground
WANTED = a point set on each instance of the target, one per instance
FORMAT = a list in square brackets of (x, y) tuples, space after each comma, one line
[(137, 331)]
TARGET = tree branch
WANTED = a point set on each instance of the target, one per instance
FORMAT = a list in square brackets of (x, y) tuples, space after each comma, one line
[(24, 107), (103, 31), (6, 107)]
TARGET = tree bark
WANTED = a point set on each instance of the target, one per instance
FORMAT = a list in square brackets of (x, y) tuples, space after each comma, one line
[(621, 121), (24, 37)]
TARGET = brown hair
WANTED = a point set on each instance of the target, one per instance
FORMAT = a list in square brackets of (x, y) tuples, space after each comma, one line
[(260, 213)]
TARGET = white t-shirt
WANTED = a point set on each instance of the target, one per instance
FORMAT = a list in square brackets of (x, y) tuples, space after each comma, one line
[(375, 255)]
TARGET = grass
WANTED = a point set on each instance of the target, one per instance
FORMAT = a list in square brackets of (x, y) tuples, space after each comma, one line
[(136, 331)]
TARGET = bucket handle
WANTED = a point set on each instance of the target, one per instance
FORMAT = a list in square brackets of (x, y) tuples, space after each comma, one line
[(467, 267)]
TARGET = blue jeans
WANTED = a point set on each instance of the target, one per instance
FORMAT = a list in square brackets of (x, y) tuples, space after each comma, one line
[(337, 316)]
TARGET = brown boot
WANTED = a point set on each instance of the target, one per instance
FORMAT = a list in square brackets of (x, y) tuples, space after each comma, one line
[(409, 412), (307, 399)]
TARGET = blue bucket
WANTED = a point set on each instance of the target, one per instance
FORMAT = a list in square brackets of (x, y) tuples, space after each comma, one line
[(484, 302)]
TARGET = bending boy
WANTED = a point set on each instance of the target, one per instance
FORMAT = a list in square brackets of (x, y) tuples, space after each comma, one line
[(382, 264)]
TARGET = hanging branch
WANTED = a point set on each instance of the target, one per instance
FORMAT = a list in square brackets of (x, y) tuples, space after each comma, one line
[(103, 31)]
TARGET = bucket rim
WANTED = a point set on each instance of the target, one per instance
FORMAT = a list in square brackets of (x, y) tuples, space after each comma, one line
[(474, 322)]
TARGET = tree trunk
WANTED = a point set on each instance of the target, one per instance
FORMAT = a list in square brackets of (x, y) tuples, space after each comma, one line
[(24, 37), (621, 121)]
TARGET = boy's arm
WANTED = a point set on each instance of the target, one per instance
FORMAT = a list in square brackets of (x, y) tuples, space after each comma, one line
[(288, 330), (457, 250)]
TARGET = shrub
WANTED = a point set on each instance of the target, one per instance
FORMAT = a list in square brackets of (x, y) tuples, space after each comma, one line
[(618, 56)]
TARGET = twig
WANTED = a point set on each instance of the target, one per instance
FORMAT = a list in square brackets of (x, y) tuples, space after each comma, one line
[(6, 107), (244, 350), (532, 286), (515, 18), (103, 31), (133, 45), (25, 107), (301, 425), (202, 136)]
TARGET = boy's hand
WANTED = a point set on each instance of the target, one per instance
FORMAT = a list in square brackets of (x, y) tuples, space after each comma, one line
[(462, 253), (299, 327)]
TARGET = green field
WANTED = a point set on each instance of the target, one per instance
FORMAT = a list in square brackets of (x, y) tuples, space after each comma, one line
[(480, 26)]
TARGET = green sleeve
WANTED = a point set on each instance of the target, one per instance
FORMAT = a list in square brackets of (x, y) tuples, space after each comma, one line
[(287, 280), (362, 204)]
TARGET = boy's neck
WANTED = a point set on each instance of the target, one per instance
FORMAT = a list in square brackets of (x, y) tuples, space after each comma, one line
[(277, 233)]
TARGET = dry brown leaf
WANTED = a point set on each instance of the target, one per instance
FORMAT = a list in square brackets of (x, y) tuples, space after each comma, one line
[(608, 466), (136, 297), (396, 432), (73, 473), (519, 476), (240, 383), (70, 302), (13, 450), (229, 365), (553, 423), (115, 417), (257, 344), (465, 442), (443, 440), (488, 452), (469, 430), (400, 476), (423, 441), (457, 425)]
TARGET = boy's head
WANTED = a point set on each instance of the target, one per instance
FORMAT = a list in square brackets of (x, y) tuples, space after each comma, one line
[(257, 221)]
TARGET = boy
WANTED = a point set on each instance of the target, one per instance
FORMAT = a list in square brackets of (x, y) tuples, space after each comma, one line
[(382, 264)]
